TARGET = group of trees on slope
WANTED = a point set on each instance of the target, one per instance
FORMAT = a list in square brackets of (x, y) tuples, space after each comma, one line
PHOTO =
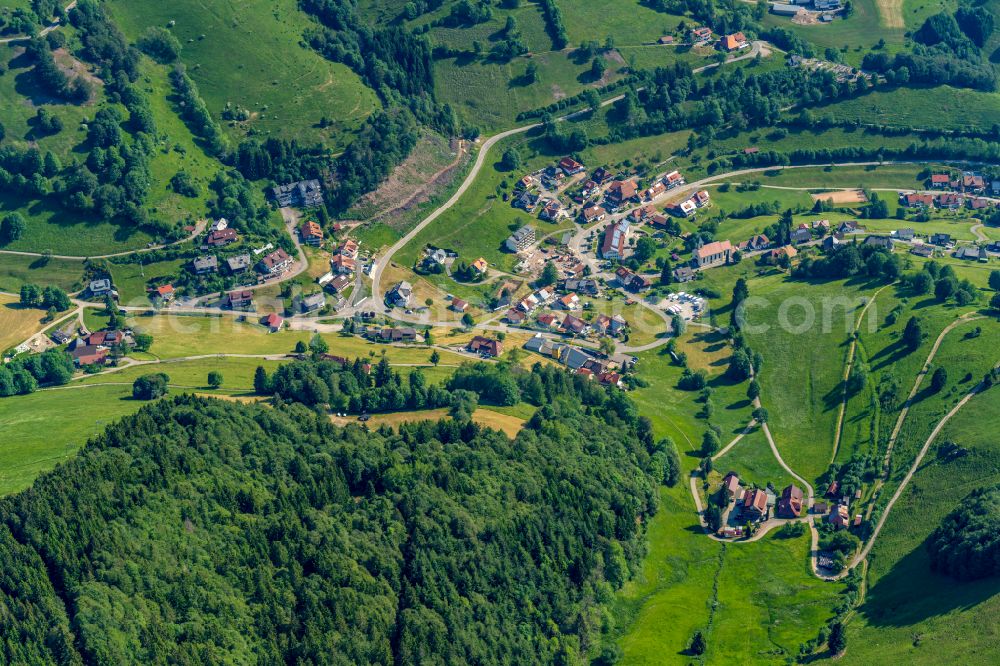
[(197, 531)]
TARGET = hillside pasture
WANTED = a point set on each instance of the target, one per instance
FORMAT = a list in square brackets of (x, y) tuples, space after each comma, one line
[(251, 54), (17, 324)]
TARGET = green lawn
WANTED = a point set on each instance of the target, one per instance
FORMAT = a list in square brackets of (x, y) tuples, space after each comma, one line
[(903, 176), (251, 54)]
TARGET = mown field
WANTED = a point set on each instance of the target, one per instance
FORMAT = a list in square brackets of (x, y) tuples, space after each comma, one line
[(251, 54), (16, 270), (17, 323)]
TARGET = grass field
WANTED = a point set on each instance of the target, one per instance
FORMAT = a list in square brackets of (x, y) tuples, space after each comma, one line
[(250, 54), (17, 323), (903, 176), (17, 270), (130, 279), (506, 423), (940, 107)]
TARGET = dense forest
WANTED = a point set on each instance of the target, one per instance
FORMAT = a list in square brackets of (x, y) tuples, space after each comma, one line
[(202, 531), (966, 545)]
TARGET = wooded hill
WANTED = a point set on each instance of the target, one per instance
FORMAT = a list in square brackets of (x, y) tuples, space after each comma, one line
[(201, 531)]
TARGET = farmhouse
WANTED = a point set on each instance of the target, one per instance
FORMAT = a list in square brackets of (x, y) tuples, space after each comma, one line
[(304, 193), (790, 504), (785, 10), (731, 485), (480, 265), (275, 263), (884, 242), (713, 254), (734, 42), (925, 251), (940, 239), (778, 254), (311, 233), (906, 234), (205, 265), (801, 236), (485, 346), (615, 239), (84, 355), (458, 305), (521, 239)]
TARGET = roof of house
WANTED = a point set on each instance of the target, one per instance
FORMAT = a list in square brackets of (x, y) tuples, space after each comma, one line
[(273, 320), (310, 229), (274, 259), (623, 189), (733, 41), (756, 499), (940, 178)]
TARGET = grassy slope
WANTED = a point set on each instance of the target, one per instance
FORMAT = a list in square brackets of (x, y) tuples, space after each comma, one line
[(16, 270), (17, 323), (250, 54), (911, 615)]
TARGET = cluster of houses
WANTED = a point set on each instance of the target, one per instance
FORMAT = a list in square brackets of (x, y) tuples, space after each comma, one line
[(690, 206), (703, 36), (560, 311), (97, 348), (837, 507), (964, 190), (590, 363), (269, 265), (539, 191), (343, 265), (755, 505)]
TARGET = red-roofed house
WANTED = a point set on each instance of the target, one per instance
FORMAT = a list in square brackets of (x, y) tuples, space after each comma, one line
[(485, 346), (940, 180), (311, 233), (734, 42), (622, 191), (790, 504), (166, 292), (273, 322), (570, 166)]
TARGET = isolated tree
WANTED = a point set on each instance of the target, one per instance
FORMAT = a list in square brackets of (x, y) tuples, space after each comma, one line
[(531, 72), (678, 325), (214, 379), (12, 227), (922, 282), (740, 292), (261, 382), (672, 462), (150, 387), (709, 443), (597, 68), (666, 273), (760, 415), (645, 248), (300, 347), (913, 334), (857, 378), (435, 357), (753, 390), (467, 319), (550, 274), (698, 644), (939, 380), (995, 280), (511, 160), (995, 301)]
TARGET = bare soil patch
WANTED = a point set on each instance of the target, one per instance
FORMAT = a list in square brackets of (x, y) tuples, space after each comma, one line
[(841, 196)]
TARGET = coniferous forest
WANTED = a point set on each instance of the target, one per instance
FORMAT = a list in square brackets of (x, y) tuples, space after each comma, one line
[(201, 531)]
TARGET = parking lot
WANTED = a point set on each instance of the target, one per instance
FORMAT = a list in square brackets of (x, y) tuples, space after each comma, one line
[(688, 306)]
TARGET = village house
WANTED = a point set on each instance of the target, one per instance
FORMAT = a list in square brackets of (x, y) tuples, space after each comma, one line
[(548, 320), (399, 295), (348, 248), (219, 224), (801, 235), (840, 517), (700, 35), (514, 316), (630, 281), (601, 175), (485, 346), (939, 181), (458, 305), (521, 239), (342, 264), (790, 504), (665, 39), (940, 239), (272, 322), (978, 203), (615, 326), (339, 284), (925, 251), (165, 292), (221, 238), (310, 303), (480, 265), (734, 42), (304, 193), (552, 177), (240, 300), (949, 201), (754, 244), (673, 179), (701, 198), (275, 263), (593, 214), (713, 254), (655, 190), (621, 192), (971, 253), (685, 208), (570, 166), (574, 325), (100, 287), (311, 233), (405, 334), (831, 242), (552, 210), (755, 504), (568, 302), (917, 200), (884, 242), (239, 263), (849, 227), (906, 234), (683, 274), (205, 265), (776, 256), (526, 201), (973, 182), (731, 485), (615, 240), (84, 355)]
